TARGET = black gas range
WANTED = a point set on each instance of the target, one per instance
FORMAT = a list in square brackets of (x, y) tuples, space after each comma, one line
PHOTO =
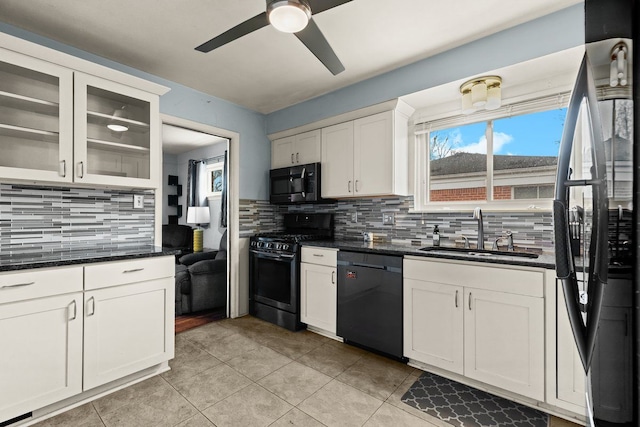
[(274, 268)]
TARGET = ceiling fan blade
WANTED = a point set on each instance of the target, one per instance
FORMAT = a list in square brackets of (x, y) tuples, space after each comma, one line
[(236, 32), (318, 6), (314, 40)]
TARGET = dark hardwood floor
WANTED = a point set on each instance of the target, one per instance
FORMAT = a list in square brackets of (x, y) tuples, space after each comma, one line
[(190, 321)]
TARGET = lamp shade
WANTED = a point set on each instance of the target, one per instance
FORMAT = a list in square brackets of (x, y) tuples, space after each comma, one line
[(198, 215), (116, 123), (494, 97), (289, 16), (479, 94)]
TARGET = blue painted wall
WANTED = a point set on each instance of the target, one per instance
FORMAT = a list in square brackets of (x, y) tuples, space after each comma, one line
[(552, 33), (187, 103)]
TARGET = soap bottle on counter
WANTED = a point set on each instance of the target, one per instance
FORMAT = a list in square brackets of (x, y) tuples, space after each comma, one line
[(436, 236)]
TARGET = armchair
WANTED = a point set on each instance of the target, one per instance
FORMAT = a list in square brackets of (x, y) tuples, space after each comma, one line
[(178, 237), (201, 280)]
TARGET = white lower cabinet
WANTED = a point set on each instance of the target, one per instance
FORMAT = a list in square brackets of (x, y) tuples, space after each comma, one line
[(41, 357), (433, 324), (504, 341), (318, 289), (58, 341), (124, 330), (483, 322)]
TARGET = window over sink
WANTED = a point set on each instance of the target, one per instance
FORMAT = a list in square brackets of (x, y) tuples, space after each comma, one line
[(504, 158)]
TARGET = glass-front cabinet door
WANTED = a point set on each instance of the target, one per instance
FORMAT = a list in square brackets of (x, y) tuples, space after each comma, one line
[(36, 119), (116, 131)]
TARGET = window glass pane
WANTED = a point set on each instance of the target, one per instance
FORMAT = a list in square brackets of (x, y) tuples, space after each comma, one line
[(525, 154), (458, 164)]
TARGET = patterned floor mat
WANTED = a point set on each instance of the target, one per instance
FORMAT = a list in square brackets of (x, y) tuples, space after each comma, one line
[(464, 406)]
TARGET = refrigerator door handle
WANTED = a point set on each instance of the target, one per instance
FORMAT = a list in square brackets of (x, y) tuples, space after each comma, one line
[(584, 333)]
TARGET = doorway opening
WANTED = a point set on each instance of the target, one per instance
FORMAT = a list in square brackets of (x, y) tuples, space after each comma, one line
[(196, 166)]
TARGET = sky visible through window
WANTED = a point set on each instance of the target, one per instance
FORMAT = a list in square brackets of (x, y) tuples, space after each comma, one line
[(536, 134)]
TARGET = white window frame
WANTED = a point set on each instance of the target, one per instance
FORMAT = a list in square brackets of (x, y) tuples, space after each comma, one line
[(422, 165)]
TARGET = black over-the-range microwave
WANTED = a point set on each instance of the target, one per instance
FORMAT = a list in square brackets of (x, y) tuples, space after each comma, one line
[(295, 184)]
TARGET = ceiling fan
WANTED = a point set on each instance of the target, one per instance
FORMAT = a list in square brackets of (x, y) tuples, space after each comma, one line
[(289, 16)]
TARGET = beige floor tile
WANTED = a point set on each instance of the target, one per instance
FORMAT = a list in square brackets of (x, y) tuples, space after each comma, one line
[(190, 360), (125, 396), (331, 359), (338, 404), (207, 334), (297, 418), (251, 406), (259, 362), (294, 382), (211, 386), (375, 375), (230, 346), (82, 416), (293, 346), (388, 415), (197, 420), (559, 422), (164, 407)]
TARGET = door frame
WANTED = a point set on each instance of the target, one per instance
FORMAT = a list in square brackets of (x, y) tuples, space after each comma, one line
[(233, 200)]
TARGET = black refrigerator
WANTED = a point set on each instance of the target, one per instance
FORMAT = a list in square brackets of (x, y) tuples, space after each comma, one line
[(595, 214)]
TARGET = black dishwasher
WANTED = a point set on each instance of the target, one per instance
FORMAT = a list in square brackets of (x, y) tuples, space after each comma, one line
[(370, 301)]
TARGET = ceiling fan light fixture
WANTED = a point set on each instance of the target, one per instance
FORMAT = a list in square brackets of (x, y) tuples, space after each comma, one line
[(289, 16)]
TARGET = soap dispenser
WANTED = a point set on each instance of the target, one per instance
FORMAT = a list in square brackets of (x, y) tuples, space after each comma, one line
[(436, 236)]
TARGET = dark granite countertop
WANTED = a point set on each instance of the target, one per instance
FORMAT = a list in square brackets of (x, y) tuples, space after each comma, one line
[(27, 260), (544, 260)]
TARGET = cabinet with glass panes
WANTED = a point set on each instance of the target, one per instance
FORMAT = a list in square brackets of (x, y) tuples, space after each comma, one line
[(61, 125)]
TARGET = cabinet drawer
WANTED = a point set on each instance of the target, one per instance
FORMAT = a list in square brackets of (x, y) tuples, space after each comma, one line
[(510, 279), (320, 256), (116, 273), (38, 283)]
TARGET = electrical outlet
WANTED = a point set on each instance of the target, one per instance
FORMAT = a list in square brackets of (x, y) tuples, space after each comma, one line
[(354, 217), (388, 219), (138, 201)]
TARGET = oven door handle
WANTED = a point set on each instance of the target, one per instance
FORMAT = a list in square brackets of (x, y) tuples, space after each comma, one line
[(269, 255)]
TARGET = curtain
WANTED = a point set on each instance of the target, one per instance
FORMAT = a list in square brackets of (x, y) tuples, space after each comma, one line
[(197, 184), (223, 202)]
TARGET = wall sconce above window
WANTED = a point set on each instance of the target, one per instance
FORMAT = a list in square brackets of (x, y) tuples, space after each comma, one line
[(482, 92), (618, 74), (117, 124)]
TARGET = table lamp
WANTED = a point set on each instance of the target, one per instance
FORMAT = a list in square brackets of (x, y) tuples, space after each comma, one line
[(197, 215)]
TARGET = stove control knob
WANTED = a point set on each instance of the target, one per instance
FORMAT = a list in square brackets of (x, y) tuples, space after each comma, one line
[(278, 245), (285, 247), (269, 245)]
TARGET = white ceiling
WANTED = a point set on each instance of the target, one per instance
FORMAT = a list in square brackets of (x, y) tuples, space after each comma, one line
[(267, 70), (177, 140)]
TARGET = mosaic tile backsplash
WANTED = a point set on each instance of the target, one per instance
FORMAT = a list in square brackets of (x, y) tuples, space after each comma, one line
[(354, 216), (49, 219)]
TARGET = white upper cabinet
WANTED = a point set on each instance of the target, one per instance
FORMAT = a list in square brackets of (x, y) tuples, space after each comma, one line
[(296, 150), (116, 131), (337, 160), (36, 113), (71, 121), (366, 157)]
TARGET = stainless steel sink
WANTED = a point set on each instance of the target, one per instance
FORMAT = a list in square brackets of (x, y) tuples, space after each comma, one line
[(479, 252)]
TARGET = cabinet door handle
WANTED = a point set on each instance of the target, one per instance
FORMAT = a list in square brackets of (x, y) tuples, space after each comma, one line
[(318, 255), (17, 285), (292, 162), (456, 299), (333, 277), (349, 186), (63, 168), (132, 271), (469, 300), (81, 169), (73, 306), (356, 186), (92, 311), (297, 157)]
